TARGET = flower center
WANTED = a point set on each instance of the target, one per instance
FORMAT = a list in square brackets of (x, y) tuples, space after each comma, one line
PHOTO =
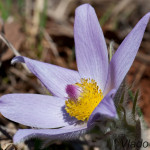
[(82, 104)]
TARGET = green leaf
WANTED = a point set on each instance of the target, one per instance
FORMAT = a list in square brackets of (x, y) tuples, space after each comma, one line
[(134, 103)]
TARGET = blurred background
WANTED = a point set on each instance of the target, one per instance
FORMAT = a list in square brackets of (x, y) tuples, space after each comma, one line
[(43, 30)]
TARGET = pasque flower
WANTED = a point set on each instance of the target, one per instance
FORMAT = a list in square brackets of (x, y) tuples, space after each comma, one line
[(79, 97)]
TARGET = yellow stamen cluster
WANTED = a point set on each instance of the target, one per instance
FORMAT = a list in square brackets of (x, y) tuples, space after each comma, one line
[(88, 100)]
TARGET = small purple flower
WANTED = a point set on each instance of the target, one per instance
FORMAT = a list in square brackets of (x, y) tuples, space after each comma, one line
[(79, 97)]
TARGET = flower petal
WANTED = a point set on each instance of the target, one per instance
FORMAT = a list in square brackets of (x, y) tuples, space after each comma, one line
[(68, 132), (35, 110), (125, 55), (91, 50), (54, 78), (105, 108)]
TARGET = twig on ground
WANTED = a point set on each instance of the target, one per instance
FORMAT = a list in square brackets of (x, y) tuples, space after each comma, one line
[(61, 10), (5, 133), (26, 79), (16, 53), (52, 45), (10, 146)]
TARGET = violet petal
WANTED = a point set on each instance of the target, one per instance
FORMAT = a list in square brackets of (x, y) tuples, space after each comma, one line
[(35, 110), (91, 50), (105, 108), (68, 132), (54, 78), (125, 55)]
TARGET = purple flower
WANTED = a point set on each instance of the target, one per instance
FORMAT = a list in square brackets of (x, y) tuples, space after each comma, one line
[(79, 97)]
